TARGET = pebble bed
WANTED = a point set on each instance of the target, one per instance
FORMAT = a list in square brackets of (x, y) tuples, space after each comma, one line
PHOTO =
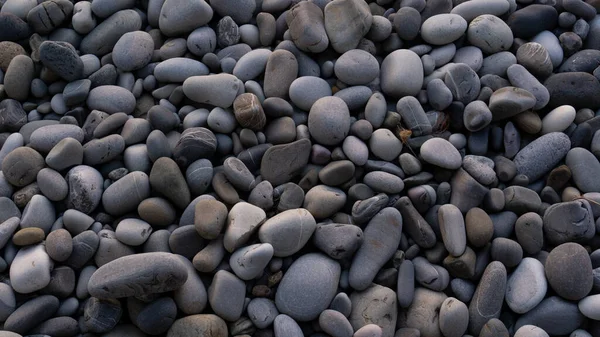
[(287, 168)]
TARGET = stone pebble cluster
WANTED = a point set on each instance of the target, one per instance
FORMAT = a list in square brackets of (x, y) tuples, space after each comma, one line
[(286, 168)]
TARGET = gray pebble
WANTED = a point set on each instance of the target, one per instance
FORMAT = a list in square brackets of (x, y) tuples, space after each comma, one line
[(364, 313), (178, 17), (541, 155), (316, 277), (133, 51), (306, 90), (526, 286), (219, 90), (442, 29), (226, 295), (490, 34), (401, 64), (488, 298)]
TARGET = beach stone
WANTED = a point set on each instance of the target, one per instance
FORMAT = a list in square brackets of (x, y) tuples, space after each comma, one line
[(414, 116), (440, 152), (12, 27), (133, 51), (218, 90), (262, 312), (463, 82), (281, 163), (307, 27), (383, 315), (165, 176), (530, 330), (243, 221), (335, 324), (205, 324), (520, 77), (530, 233), (582, 162), (469, 10), (306, 90), (535, 58), (288, 231), (569, 222), (104, 36), (114, 279), (49, 15), (133, 232), (589, 307), (13, 117), (520, 21), (490, 34), (509, 101), (339, 15), (191, 297), (8, 51), (329, 120), (249, 112), (452, 228), (573, 88), (30, 270), (414, 223), (21, 166), (249, 262), (542, 155), (62, 59), (178, 69), (308, 287), (281, 70), (569, 271), (526, 286), (226, 295), (111, 99), (323, 201), (31, 313), (46, 137), (553, 315), (125, 194), (454, 317), (488, 298), (338, 240), (348, 63), (59, 245), (157, 211), (177, 18), (401, 64), (195, 143), (384, 227), (423, 314), (210, 218), (385, 145), (442, 29), (18, 77)]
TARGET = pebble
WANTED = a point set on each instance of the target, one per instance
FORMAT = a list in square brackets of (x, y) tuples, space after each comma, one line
[(346, 22), (541, 155), (277, 171), (218, 90), (288, 231), (569, 271), (226, 295), (114, 279), (30, 270), (383, 227), (488, 298), (490, 34), (127, 58), (442, 29), (316, 277), (440, 152), (383, 315), (401, 64)]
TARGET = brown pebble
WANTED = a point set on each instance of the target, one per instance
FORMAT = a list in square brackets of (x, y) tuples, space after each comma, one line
[(28, 236), (559, 177), (275, 278), (248, 112), (261, 291), (528, 121), (8, 50), (479, 226)]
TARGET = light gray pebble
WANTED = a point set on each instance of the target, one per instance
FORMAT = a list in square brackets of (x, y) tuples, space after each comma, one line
[(178, 69), (306, 90), (401, 64)]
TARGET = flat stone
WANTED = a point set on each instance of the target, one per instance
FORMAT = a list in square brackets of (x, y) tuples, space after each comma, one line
[(582, 163), (488, 298), (111, 99), (115, 279), (281, 163), (243, 221), (218, 90)]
